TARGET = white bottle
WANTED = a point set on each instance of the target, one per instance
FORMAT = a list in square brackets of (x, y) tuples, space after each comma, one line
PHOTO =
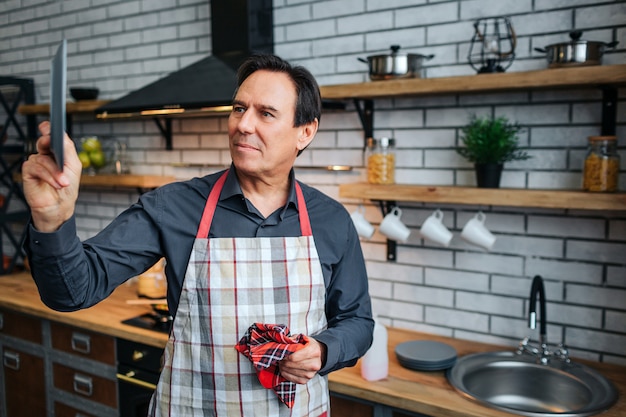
[(375, 362)]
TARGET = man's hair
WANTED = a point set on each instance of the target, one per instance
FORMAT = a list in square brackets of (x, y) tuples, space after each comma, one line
[(308, 101)]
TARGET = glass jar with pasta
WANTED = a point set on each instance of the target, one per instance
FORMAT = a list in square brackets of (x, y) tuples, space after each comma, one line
[(601, 170), (381, 161)]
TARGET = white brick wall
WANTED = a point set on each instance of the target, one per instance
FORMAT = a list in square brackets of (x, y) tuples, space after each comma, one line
[(459, 291)]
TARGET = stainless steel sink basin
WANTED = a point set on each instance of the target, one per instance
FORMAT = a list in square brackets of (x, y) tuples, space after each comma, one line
[(516, 383)]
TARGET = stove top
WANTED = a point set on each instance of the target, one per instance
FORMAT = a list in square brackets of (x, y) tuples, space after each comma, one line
[(151, 321)]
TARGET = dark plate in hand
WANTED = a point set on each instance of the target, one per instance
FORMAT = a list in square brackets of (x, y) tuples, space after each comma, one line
[(58, 85)]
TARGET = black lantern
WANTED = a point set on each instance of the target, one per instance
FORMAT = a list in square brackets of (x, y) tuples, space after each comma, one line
[(493, 45)]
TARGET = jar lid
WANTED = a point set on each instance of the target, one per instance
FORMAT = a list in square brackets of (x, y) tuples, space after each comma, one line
[(384, 142), (597, 138)]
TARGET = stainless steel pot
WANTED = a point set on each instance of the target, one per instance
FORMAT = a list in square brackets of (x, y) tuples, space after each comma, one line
[(576, 52), (395, 65)]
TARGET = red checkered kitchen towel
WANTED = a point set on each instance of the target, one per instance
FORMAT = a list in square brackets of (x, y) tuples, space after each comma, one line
[(266, 345)]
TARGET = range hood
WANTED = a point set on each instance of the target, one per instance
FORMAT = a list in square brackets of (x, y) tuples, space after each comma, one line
[(238, 29)]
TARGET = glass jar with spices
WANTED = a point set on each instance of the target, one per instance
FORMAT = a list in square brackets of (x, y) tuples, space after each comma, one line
[(381, 161), (601, 170)]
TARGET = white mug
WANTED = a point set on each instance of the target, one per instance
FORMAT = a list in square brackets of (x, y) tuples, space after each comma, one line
[(475, 232), (363, 227), (434, 229), (392, 226)]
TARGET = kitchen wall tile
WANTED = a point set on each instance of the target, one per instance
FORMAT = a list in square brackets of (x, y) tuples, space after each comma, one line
[(338, 45), (395, 273), (392, 4), (615, 321), (337, 8), (616, 276), (487, 303), (475, 9), (456, 279), (568, 271), (423, 295), (423, 138), (430, 14), (376, 21), (559, 4), (441, 158), (411, 40), (598, 252), (600, 15), (595, 341), (509, 285), (574, 315), (381, 289), (455, 318), (595, 296), (553, 180), (560, 226), (492, 263), (450, 33), (617, 229), (292, 14)]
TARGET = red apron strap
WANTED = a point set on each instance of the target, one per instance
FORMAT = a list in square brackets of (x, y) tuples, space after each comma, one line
[(305, 223), (214, 195), (209, 207)]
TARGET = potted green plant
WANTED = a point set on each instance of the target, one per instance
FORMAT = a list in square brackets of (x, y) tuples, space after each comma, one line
[(490, 142)]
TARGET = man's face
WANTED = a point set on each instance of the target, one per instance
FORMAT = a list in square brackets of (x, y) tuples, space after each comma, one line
[(263, 140)]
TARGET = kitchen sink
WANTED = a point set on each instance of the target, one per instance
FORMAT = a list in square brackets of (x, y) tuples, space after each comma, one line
[(517, 383)]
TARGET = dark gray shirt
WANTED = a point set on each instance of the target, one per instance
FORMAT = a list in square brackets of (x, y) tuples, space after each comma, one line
[(72, 275)]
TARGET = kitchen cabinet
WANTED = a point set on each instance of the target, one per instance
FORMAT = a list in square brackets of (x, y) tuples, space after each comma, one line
[(23, 373), (51, 366)]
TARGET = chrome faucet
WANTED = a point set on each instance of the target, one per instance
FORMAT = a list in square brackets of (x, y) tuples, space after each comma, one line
[(542, 352)]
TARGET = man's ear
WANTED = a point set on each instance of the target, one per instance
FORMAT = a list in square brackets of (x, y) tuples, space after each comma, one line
[(307, 133)]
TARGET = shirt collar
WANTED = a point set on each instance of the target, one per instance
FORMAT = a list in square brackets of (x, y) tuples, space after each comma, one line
[(233, 189)]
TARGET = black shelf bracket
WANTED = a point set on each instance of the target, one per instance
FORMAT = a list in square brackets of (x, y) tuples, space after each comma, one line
[(365, 109), (609, 110), (165, 127), (392, 246)]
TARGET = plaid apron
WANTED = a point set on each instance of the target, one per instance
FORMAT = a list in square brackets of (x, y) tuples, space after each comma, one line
[(230, 284)]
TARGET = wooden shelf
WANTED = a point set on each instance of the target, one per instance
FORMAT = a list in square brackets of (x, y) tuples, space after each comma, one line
[(576, 77), (126, 181), (508, 197), (83, 106)]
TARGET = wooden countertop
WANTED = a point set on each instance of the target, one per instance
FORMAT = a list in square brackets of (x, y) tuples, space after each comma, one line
[(422, 392)]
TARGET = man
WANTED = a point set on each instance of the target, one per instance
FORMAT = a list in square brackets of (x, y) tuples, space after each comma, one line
[(243, 246)]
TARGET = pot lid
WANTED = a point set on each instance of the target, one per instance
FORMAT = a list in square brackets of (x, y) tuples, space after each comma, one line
[(395, 53), (575, 40)]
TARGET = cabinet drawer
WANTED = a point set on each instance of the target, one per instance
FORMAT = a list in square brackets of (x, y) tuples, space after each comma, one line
[(62, 410), (86, 385), (25, 388), (21, 326), (87, 344)]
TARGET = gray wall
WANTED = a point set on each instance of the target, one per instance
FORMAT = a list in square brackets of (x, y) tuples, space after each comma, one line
[(460, 291)]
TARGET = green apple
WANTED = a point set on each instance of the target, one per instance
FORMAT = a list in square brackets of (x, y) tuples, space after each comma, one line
[(97, 158), (84, 159), (92, 144)]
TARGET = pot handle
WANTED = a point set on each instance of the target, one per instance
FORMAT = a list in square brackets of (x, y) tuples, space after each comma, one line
[(428, 57), (612, 44), (363, 60), (543, 51)]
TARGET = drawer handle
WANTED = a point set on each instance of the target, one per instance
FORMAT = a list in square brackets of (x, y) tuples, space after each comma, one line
[(81, 343), (11, 360), (130, 378), (1, 321), (83, 385)]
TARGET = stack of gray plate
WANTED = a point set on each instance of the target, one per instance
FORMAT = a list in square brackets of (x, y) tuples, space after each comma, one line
[(426, 355)]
